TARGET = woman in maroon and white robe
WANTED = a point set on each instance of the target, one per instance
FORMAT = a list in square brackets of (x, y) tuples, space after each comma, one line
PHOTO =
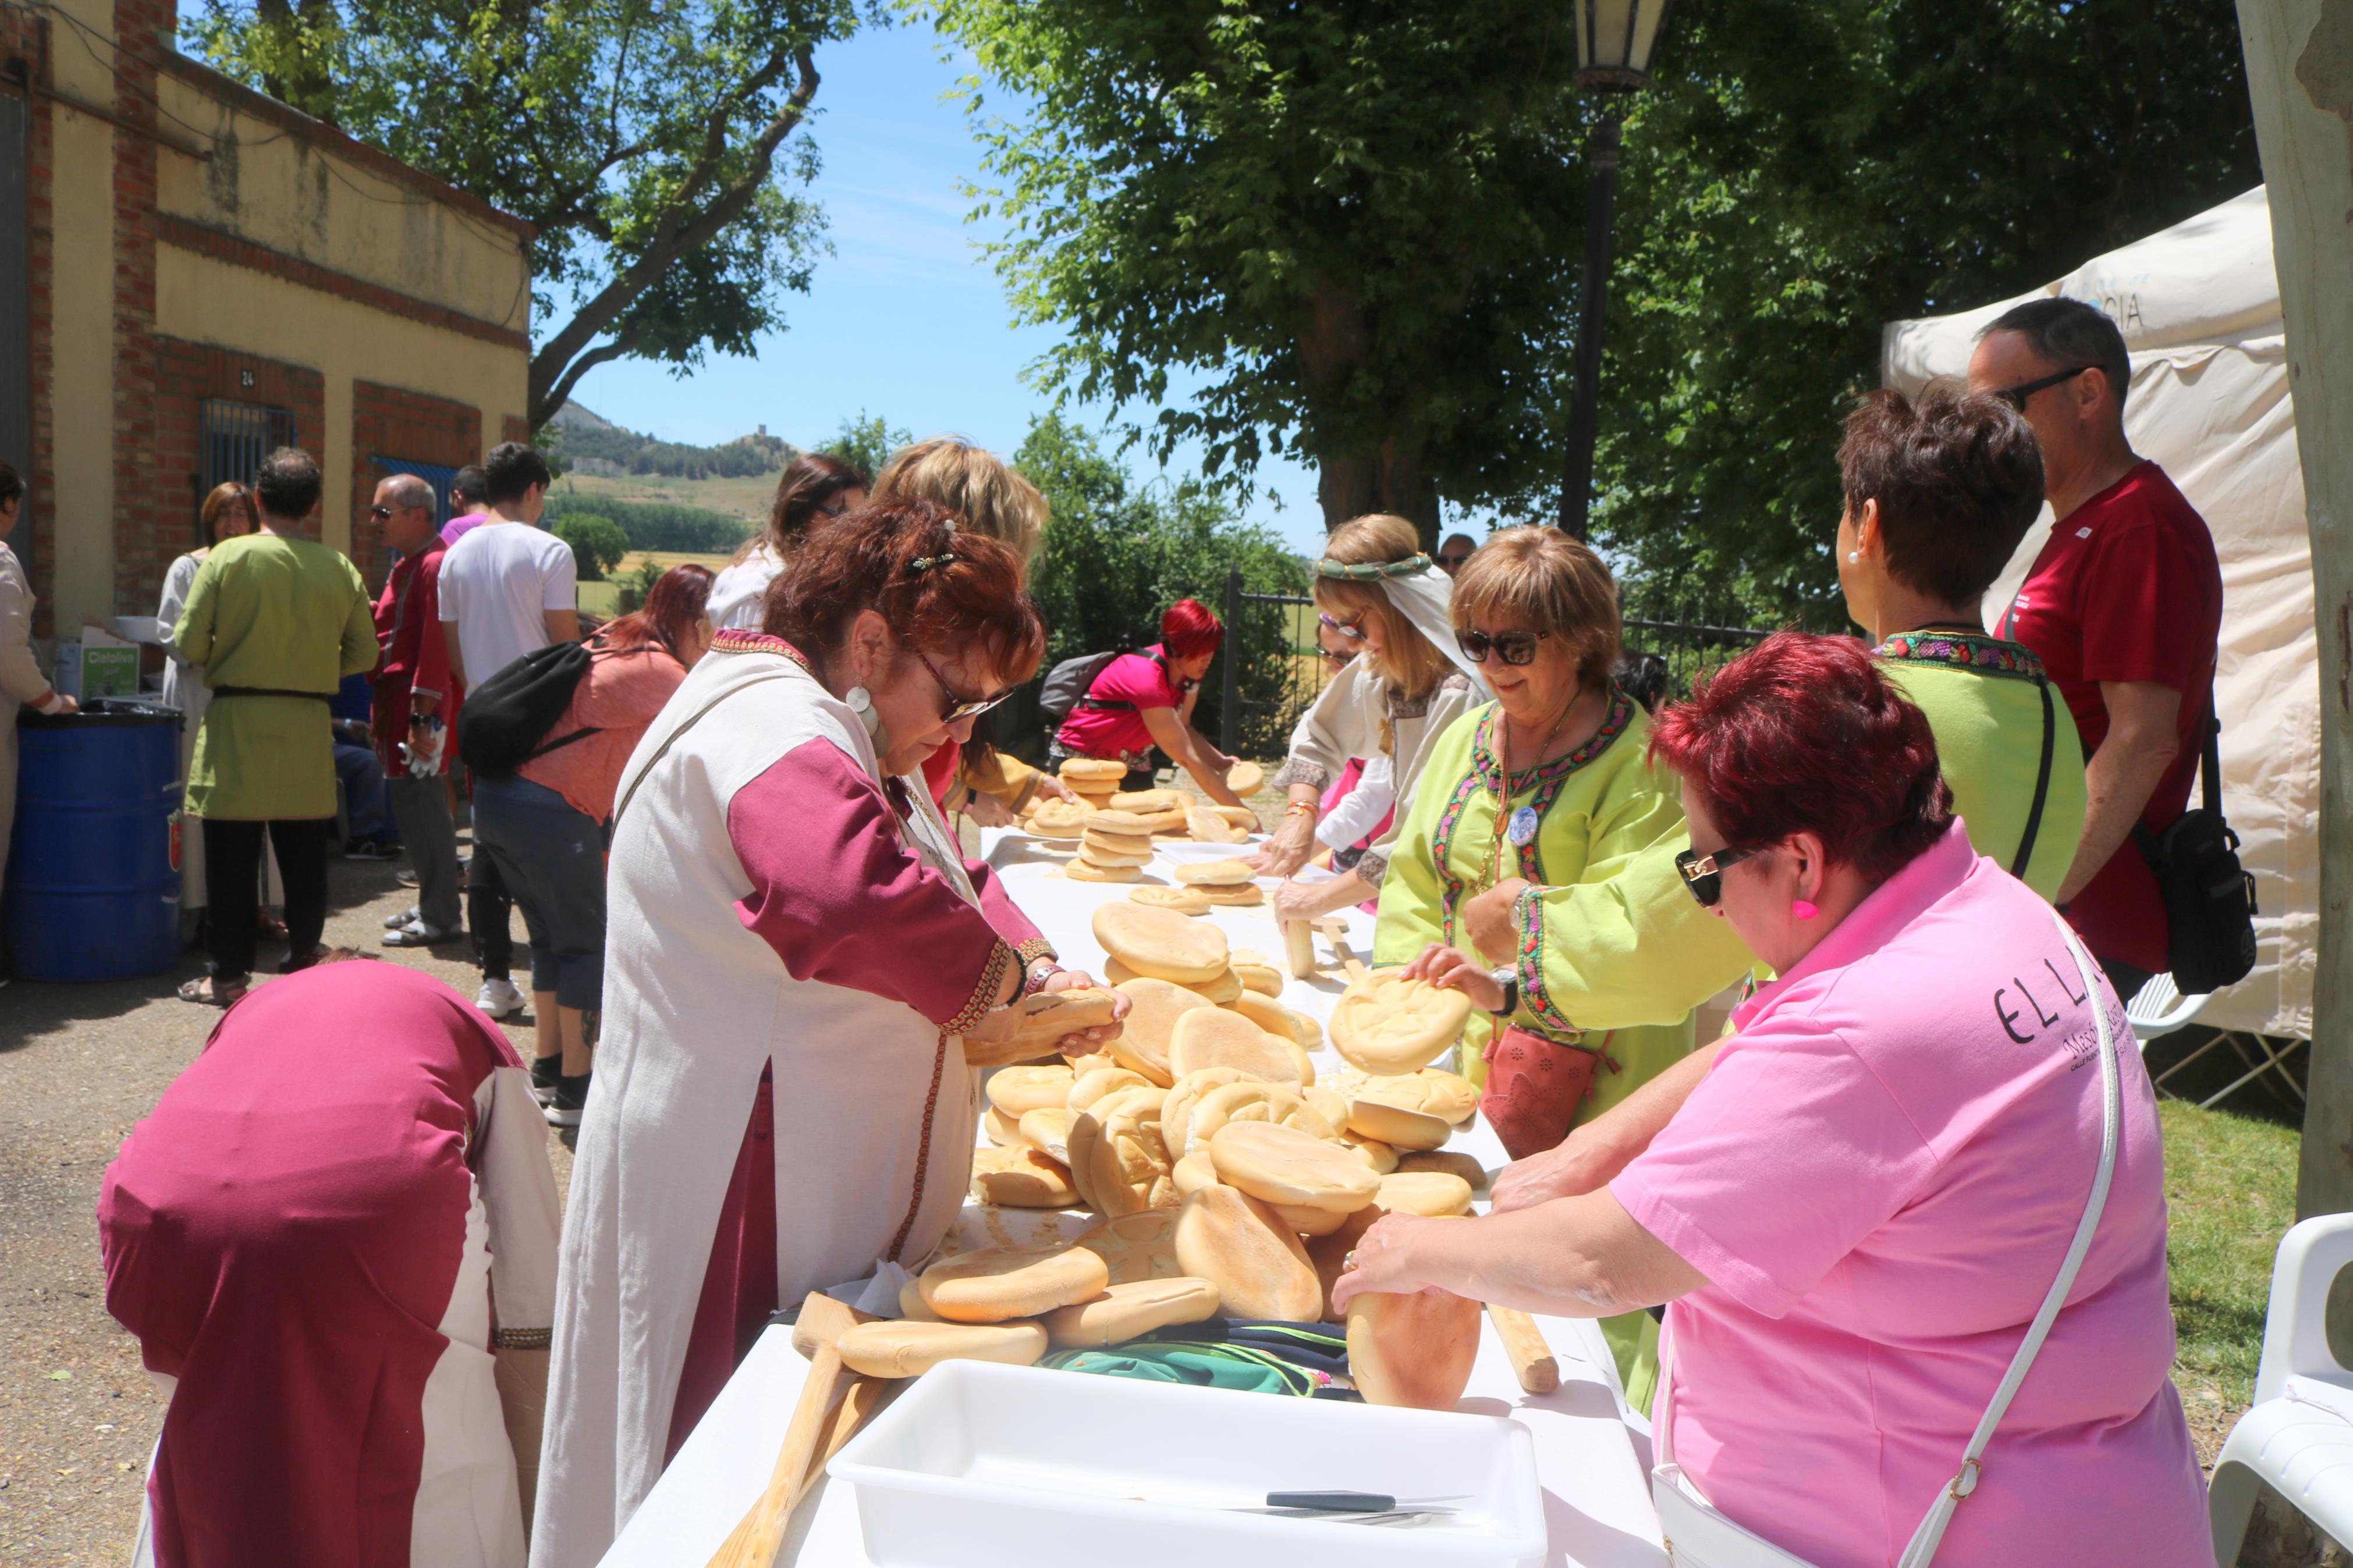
[(798, 956), (335, 1240)]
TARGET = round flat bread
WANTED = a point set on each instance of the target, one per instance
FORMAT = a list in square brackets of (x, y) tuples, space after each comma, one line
[(1309, 1032), (1378, 1157), (911, 1302), (1288, 1165), (1117, 843), (1153, 1007), (1331, 1106), (1125, 1312), (1149, 800), (1137, 1247), (1177, 1111), (1412, 1350), (1193, 1173), (1047, 1130), (1454, 1163), (1003, 1129), (1310, 1221), (1117, 1157), (1001, 1282), (1433, 1091), (1241, 816), (1223, 991), (1017, 1091), (1247, 893), (1244, 778), (900, 1348), (1094, 768), (1216, 1108), (1184, 901), (1270, 1015), (1263, 978), (1088, 1088), (1432, 1193), (1082, 1066), (1219, 1038), (1236, 1243), (1058, 819), (1094, 854), (1144, 823), (1209, 827), (1388, 1023), (1161, 942), (1402, 1130), (1216, 873), (1022, 1179), (1079, 871)]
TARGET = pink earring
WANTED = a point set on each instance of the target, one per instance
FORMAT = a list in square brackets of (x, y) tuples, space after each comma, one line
[(1803, 908)]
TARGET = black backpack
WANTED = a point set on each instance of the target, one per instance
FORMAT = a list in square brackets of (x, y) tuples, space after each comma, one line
[(2210, 898), (1068, 683), (504, 720)]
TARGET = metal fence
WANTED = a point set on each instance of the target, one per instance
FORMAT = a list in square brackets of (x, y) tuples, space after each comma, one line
[(1684, 652)]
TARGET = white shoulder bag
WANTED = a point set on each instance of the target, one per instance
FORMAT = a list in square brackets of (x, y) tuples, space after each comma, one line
[(1697, 1536)]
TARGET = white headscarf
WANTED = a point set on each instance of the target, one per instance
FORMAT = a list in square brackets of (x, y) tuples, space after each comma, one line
[(1419, 592)]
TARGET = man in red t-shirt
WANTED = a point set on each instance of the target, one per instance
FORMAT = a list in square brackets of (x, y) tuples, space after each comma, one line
[(415, 686), (2123, 606)]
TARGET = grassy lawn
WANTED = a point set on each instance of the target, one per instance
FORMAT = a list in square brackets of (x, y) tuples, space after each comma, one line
[(2229, 1183), (603, 598)]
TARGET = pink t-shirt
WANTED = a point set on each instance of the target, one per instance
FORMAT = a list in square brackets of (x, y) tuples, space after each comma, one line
[(1139, 679), (1880, 1176)]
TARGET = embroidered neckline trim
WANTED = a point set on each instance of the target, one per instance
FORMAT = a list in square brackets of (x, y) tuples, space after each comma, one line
[(738, 639), (1974, 651)]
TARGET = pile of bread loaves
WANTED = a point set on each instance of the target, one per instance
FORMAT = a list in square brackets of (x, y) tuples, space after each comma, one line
[(1115, 829)]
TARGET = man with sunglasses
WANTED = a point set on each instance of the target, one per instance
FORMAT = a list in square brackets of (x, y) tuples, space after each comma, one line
[(416, 697), (2124, 608), (1454, 552)]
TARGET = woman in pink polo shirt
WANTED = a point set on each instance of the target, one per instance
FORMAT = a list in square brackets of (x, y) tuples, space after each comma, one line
[(1861, 1205)]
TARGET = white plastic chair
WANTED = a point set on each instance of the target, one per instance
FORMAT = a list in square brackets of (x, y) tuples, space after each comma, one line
[(2157, 1008), (2302, 1449)]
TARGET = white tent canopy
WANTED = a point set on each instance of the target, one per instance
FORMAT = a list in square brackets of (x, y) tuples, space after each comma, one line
[(2200, 307)]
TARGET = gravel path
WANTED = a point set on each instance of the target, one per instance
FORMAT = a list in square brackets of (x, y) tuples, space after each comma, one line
[(78, 1064)]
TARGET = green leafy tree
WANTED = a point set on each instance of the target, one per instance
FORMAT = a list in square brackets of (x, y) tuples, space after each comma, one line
[(866, 442), (598, 544), (1117, 553), (657, 145), (637, 587), (1348, 222), (657, 525)]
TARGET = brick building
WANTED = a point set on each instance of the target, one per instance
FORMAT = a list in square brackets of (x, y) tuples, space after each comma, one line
[(192, 273)]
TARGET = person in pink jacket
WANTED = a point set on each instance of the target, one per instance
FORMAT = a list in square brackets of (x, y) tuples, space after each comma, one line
[(1856, 1211)]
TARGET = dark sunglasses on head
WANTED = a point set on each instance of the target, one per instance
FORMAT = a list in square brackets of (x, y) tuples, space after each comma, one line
[(957, 707), (2016, 396), (1348, 629), (1512, 648), (1703, 874)]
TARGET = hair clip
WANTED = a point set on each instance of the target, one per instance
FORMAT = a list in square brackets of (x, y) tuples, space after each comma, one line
[(925, 563)]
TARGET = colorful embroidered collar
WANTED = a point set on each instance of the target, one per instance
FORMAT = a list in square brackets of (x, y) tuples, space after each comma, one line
[(1962, 650), (1486, 763), (738, 639)]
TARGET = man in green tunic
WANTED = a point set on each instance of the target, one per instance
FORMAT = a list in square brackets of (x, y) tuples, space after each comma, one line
[(276, 622)]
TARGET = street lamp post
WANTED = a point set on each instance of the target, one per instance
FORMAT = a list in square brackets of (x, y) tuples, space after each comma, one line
[(1614, 40)]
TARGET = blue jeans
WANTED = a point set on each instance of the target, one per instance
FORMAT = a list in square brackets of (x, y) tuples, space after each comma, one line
[(552, 858), (365, 800)]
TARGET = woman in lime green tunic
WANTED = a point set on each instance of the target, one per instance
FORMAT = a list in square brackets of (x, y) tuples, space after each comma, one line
[(1548, 787)]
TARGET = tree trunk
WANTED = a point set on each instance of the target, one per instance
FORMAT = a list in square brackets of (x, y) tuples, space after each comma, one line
[(1355, 477), (2300, 75)]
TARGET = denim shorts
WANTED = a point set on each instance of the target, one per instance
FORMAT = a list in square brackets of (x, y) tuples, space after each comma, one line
[(552, 858)]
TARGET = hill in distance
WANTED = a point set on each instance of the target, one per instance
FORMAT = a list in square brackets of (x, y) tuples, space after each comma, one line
[(590, 445)]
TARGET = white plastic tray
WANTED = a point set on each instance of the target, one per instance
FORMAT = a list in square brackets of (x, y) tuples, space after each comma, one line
[(983, 1466)]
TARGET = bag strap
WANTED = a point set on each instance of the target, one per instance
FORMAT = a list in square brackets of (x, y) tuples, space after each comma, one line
[(2042, 786), (272, 691), (1922, 1546), (672, 740), (2209, 765)]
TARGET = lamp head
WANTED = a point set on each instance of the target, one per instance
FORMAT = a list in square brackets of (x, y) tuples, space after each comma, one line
[(1614, 40)]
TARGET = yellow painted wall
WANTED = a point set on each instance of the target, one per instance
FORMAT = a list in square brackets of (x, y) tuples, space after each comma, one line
[(206, 301), (82, 302)]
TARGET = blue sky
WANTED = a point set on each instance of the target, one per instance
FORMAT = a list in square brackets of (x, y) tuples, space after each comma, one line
[(906, 320)]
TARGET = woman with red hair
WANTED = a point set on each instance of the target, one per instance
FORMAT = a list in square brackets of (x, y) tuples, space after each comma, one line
[(1139, 700), (1869, 1220)]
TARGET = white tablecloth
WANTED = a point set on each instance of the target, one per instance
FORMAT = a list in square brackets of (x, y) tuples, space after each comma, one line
[(1596, 1497)]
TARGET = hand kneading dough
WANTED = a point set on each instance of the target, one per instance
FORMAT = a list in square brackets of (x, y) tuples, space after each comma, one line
[(1184, 901), (1118, 1159), (1434, 1195), (1290, 1166), (1001, 1282), (1161, 942), (1402, 1130), (1248, 1100), (1017, 1091), (896, 1350), (1453, 1164), (1215, 1038), (1388, 1023), (1414, 1349), (1247, 893), (1193, 1173), (1153, 1007), (1084, 870), (1137, 1247), (1047, 1130), (1143, 801), (1126, 1310), (1021, 1179), (1237, 1243), (1209, 827), (1245, 778), (1217, 873), (1088, 1088), (1176, 1112)]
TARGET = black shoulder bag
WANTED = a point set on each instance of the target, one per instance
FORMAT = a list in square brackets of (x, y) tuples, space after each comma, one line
[(2042, 785), (2210, 898), (504, 722)]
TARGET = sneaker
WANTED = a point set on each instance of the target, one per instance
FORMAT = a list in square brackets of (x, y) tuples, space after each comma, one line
[(404, 877), (545, 1071), (406, 917), (371, 849), (571, 1099), (498, 998), (416, 933)]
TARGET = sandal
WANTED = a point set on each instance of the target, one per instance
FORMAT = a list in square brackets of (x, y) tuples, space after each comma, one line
[(205, 992), (270, 926)]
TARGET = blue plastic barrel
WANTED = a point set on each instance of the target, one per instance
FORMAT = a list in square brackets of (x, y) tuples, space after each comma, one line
[(93, 883)]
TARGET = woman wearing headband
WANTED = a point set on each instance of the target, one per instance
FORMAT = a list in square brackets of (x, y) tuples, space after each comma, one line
[(1378, 595)]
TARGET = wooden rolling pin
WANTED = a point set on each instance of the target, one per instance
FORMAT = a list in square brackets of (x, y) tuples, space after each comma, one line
[(760, 1534), (1532, 1359)]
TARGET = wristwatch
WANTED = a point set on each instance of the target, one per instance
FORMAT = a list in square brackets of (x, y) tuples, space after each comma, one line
[(1509, 979)]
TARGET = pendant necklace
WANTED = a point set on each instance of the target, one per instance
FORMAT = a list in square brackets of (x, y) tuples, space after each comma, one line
[(1519, 828)]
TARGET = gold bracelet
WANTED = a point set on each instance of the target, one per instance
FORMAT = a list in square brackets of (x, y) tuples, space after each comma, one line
[(1299, 808)]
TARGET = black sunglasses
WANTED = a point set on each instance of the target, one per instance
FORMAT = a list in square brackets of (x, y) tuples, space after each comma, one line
[(1703, 874), (957, 707), (2016, 396), (1512, 647), (1450, 562)]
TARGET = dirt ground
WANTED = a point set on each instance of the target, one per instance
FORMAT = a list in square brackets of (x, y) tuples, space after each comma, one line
[(78, 1064)]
